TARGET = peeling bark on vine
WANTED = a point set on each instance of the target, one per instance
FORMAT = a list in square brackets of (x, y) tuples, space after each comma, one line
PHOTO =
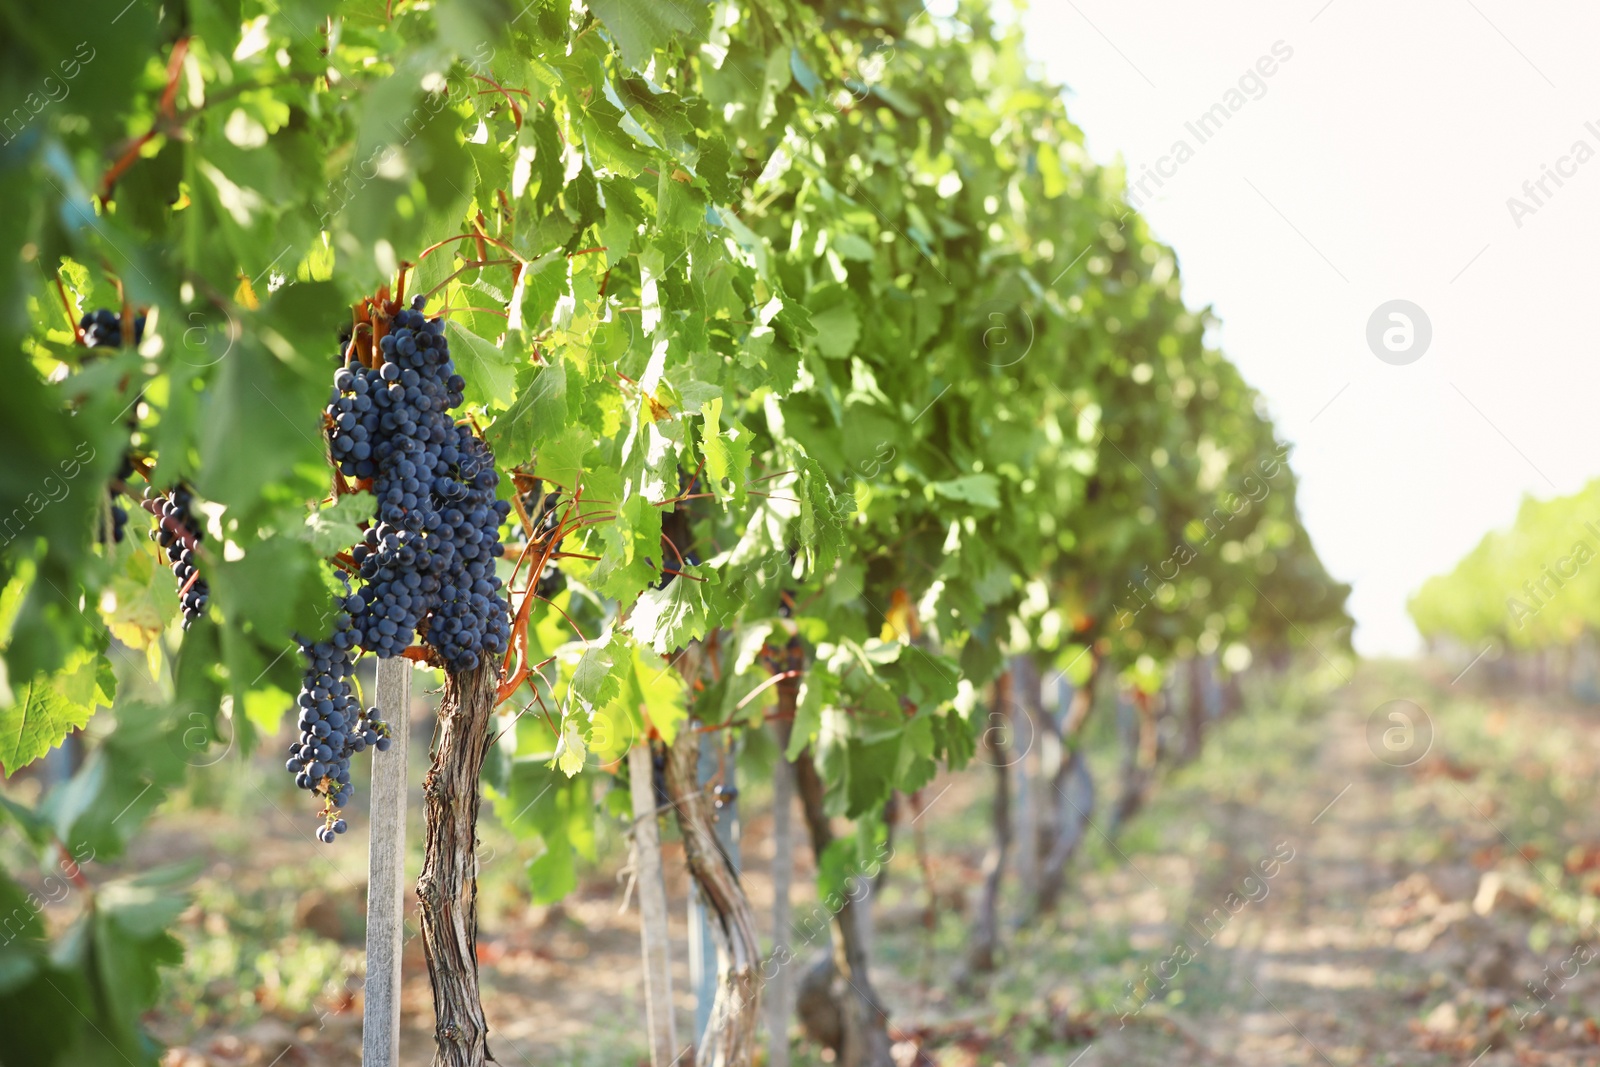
[(999, 753), (447, 890), (1069, 790), (731, 1034)]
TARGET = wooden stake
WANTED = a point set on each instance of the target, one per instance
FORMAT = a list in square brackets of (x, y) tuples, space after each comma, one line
[(653, 942), (386, 861), (1026, 713)]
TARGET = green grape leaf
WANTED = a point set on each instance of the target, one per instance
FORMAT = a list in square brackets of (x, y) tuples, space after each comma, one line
[(838, 330), (561, 461), (337, 527), (643, 27), (143, 600), (539, 413), (726, 452), (979, 489), (822, 514), (489, 370), (818, 690), (570, 747), (47, 708), (595, 679), (668, 619)]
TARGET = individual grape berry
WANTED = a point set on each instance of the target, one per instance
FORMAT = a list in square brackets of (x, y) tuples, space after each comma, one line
[(545, 513), (103, 329)]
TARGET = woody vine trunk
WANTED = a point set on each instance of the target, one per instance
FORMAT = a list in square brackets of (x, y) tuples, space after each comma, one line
[(1073, 794), (447, 891), (865, 1037), (731, 1032), (986, 924)]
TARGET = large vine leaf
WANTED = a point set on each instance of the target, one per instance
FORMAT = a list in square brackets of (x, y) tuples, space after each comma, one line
[(48, 708)]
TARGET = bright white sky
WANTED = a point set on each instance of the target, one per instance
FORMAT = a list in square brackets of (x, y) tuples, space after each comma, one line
[(1377, 166)]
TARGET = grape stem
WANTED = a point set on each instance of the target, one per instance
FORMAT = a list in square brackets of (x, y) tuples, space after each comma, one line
[(772, 681), (473, 265), (70, 867), (169, 96), (175, 529), (516, 111), (66, 305), (518, 257)]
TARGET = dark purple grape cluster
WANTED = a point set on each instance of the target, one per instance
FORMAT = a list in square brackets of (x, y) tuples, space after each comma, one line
[(119, 523), (471, 620), (178, 533), (428, 559), (103, 329), (333, 725), (551, 581), (119, 514)]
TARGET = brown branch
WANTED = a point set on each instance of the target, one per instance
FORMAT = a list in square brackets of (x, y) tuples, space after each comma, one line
[(474, 265), (515, 110), (772, 681), (66, 306), (169, 95)]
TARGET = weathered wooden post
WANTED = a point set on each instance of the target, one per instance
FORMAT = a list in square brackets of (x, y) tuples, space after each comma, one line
[(652, 910), (386, 863), (1027, 709)]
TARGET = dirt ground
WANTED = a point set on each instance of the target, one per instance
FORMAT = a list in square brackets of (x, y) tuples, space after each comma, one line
[(1288, 899)]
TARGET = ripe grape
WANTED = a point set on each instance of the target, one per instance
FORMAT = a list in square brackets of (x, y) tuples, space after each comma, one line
[(543, 510), (551, 581), (116, 530), (103, 329), (333, 724), (428, 561), (178, 532)]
